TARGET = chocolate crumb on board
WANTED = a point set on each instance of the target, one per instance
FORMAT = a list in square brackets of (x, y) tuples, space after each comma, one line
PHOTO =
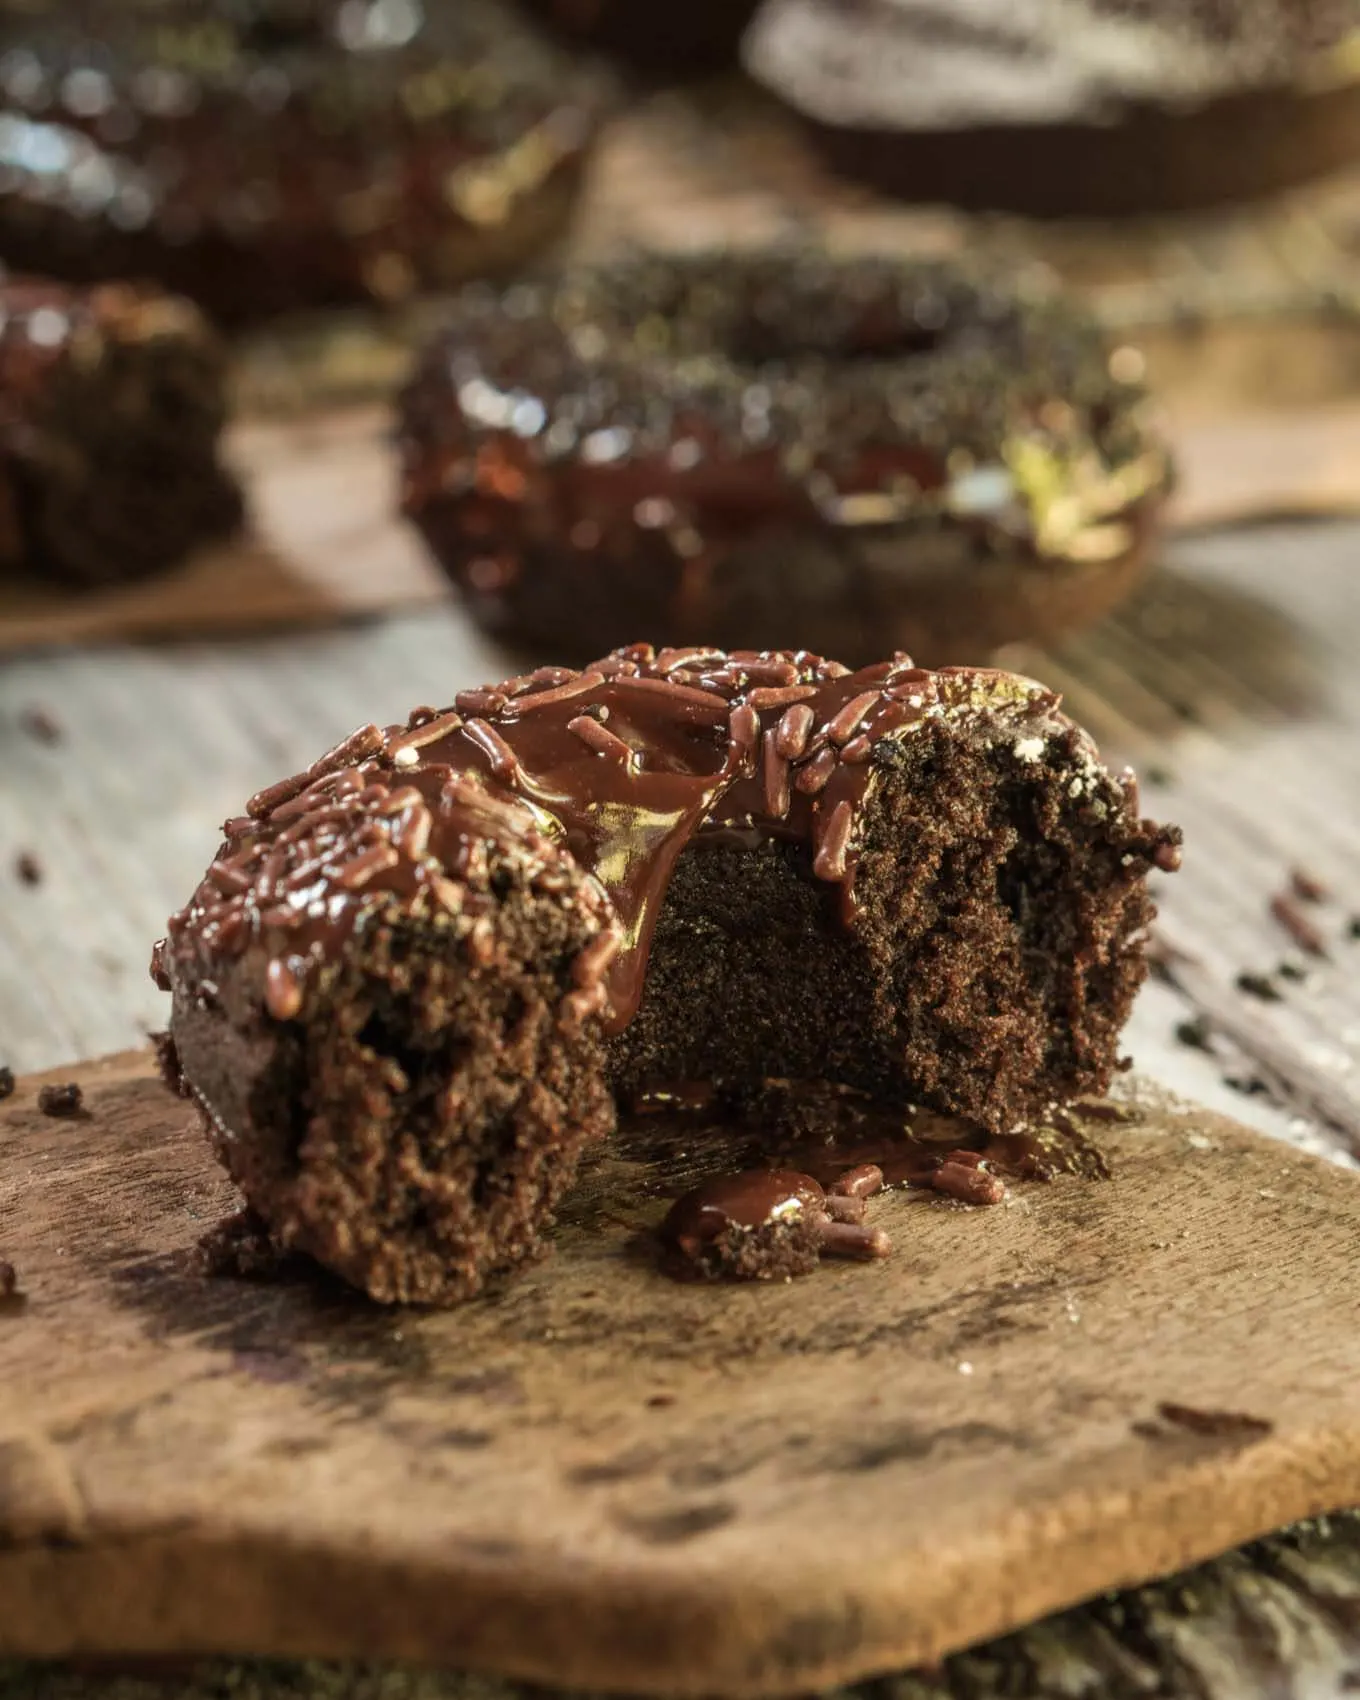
[(6, 1083), (27, 868), (62, 1101), (770, 1225), (1308, 887), (1260, 986), (1305, 935), (240, 1246), (41, 726)]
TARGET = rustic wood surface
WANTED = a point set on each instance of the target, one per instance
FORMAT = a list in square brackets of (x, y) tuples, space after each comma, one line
[(598, 1477)]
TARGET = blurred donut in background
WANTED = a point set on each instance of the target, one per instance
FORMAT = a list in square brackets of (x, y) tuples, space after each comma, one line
[(1082, 107), (112, 403), (263, 155), (782, 450)]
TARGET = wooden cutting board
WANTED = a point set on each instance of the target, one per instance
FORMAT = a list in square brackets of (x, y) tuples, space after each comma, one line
[(598, 1477)]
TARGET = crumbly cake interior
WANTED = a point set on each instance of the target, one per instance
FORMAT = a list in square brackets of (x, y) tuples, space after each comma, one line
[(997, 951), (415, 1130)]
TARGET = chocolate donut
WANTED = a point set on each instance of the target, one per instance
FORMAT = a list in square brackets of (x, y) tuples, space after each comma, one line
[(414, 977), (112, 401), (676, 40), (779, 451), (271, 154), (1089, 107)]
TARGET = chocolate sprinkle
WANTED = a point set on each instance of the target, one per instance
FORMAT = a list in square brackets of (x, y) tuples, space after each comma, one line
[(1301, 930)]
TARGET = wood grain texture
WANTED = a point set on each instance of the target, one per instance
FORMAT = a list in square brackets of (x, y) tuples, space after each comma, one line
[(597, 1477)]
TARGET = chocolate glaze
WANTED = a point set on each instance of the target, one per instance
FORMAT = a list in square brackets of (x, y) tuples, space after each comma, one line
[(621, 767), (265, 154), (832, 1133), (659, 440), (757, 1202), (753, 1198)]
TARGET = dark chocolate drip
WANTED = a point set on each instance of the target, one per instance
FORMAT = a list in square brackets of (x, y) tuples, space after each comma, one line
[(753, 1198)]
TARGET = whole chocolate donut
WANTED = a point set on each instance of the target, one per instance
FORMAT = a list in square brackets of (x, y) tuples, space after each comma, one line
[(780, 450), (1088, 107), (269, 154)]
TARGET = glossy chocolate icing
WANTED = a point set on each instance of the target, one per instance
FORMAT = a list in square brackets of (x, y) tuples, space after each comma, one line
[(749, 1203), (620, 767), (664, 437)]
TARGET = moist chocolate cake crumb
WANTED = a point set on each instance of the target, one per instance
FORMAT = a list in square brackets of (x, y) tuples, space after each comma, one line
[(27, 868), (1308, 887), (1259, 986), (1305, 934), (240, 1246), (6, 1083), (9, 1279), (66, 1101), (41, 726), (769, 1225), (418, 976)]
